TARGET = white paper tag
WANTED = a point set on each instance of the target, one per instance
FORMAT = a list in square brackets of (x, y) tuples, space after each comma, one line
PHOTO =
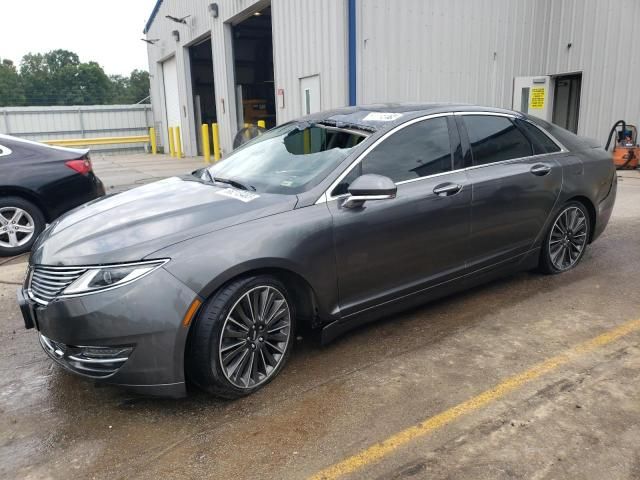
[(382, 117), (242, 195)]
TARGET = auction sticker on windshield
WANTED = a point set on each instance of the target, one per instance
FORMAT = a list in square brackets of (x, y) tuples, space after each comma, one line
[(382, 117), (241, 195)]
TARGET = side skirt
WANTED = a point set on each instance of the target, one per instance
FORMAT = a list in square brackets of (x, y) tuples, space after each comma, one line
[(523, 262)]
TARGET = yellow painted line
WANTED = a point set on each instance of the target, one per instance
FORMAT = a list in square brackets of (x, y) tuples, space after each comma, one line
[(382, 449)]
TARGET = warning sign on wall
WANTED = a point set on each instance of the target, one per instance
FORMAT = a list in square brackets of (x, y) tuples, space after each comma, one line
[(537, 98)]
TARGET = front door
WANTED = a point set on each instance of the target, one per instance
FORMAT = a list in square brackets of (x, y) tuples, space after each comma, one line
[(532, 95), (310, 94), (516, 182), (391, 248)]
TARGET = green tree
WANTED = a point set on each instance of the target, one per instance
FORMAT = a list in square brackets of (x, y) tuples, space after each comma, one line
[(34, 73), (138, 86), (119, 90), (59, 77), (11, 90)]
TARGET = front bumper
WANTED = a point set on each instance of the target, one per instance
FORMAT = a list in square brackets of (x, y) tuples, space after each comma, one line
[(130, 336)]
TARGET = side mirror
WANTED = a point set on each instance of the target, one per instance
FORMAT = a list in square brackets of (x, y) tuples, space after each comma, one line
[(370, 187), (203, 174)]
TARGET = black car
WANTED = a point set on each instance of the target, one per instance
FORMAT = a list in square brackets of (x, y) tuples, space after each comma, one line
[(38, 183)]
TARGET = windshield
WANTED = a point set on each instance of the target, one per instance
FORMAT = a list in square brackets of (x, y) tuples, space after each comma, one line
[(288, 159)]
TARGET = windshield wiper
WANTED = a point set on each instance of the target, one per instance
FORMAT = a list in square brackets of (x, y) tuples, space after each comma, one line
[(234, 183)]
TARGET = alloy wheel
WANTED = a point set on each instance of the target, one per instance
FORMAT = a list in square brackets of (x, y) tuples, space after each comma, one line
[(568, 238), (255, 336), (16, 227)]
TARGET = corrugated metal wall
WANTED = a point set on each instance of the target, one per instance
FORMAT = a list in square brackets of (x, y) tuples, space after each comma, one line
[(48, 123), (309, 38), (416, 50), (471, 50)]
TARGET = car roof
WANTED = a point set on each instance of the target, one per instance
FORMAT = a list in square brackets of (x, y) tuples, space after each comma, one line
[(382, 116)]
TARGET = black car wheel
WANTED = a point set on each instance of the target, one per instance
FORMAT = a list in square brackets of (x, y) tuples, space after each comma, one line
[(242, 337), (566, 240), (20, 224)]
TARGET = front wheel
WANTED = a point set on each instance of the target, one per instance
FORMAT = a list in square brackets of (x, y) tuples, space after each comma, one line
[(566, 240), (242, 337)]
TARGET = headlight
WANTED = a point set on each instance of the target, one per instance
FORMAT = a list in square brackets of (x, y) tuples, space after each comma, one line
[(112, 276)]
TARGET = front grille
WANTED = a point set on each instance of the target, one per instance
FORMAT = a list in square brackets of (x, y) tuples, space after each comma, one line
[(92, 361), (46, 283)]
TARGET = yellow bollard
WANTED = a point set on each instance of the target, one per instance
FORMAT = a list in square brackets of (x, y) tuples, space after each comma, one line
[(206, 150), (178, 143), (152, 138), (216, 141), (172, 148), (306, 137), (262, 124)]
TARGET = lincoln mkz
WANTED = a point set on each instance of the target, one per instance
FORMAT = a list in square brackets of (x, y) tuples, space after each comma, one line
[(331, 221)]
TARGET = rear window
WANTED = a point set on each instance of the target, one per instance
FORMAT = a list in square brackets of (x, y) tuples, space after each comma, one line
[(541, 141), (495, 139)]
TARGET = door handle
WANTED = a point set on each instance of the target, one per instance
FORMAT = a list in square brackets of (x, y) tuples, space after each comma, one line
[(447, 189), (540, 169)]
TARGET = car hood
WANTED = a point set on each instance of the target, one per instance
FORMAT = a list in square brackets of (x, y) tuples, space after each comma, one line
[(132, 225)]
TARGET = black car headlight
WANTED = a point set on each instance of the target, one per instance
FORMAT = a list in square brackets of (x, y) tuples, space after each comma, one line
[(107, 277)]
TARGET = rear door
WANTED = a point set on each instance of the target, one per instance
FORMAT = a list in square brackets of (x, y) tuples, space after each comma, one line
[(395, 247), (515, 185)]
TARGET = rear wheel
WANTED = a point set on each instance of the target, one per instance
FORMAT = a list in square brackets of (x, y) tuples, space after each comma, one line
[(20, 224), (242, 338), (566, 240)]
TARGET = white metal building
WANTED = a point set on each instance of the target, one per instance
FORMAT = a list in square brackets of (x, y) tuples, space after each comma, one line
[(573, 62)]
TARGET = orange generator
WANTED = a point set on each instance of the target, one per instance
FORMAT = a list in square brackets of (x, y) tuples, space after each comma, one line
[(626, 151)]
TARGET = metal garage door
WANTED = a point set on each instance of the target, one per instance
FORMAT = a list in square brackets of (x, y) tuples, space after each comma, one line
[(171, 98)]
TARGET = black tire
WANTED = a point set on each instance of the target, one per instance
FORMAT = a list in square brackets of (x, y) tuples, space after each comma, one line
[(38, 224), (549, 262), (204, 360)]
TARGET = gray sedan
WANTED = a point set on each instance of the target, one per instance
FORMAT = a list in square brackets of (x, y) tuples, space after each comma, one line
[(331, 221)]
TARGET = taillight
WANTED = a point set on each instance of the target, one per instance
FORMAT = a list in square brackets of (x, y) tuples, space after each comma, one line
[(82, 166)]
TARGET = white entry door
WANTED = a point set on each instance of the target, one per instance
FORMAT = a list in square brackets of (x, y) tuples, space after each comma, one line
[(171, 97), (533, 95), (310, 95)]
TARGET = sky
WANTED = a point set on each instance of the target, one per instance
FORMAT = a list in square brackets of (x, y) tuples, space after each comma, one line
[(107, 32)]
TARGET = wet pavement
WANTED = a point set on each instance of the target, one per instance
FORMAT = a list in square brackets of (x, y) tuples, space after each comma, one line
[(579, 420), (122, 172)]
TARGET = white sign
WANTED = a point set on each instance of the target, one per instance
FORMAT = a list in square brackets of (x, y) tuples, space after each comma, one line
[(241, 195), (382, 117)]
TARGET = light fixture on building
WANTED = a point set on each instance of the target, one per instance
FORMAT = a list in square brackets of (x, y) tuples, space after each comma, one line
[(257, 14), (182, 20), (176, 35), (213, 10)]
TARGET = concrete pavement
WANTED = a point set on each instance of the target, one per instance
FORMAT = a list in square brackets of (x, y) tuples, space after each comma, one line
[(121, 172)]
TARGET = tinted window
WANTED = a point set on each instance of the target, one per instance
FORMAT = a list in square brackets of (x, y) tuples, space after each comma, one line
[(494, 139), (415, 151), (541, 142)]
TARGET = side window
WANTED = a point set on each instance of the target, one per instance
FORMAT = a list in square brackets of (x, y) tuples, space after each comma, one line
[(494, 139), (541, 142), (415, 151)]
